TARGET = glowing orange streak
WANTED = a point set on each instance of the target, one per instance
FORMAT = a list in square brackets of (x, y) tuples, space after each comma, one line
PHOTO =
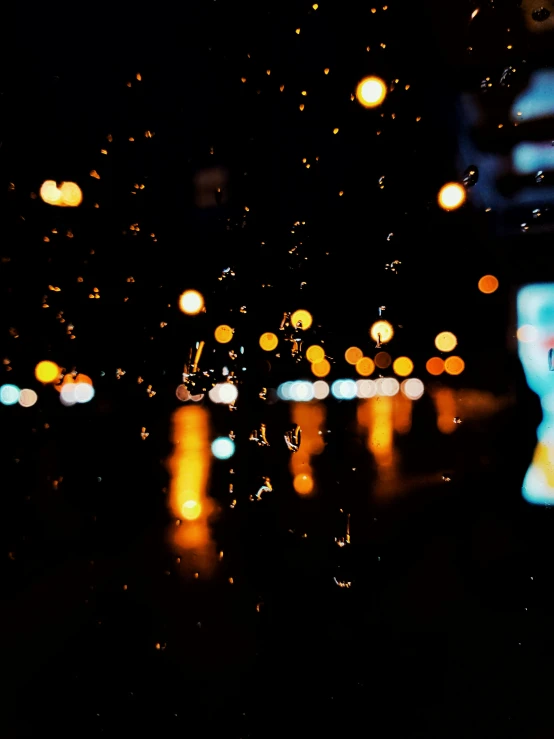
[(310, 417), (376, 415), (402, 413), (446, 407), (189, 467)]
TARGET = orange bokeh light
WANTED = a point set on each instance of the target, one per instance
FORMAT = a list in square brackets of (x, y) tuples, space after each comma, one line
[(353, 355), (303, 317), (454, 365), (381, 331), (321, 369), (223, 334), (435, 366), (488, 284), (371, 91), (451, 196), (191, 302), (268, 341), (365, 366), (303, 484)]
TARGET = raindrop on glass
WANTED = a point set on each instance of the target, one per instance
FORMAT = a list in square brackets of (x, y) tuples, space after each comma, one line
[(457, 420), (507, 76), (293, 439), (524, 227), (551, 360), (537, 213), (539, 177), (470, 176), (540, 14)]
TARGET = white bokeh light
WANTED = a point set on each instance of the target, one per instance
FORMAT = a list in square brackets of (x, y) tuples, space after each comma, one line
[(412, 388), (321, 389)]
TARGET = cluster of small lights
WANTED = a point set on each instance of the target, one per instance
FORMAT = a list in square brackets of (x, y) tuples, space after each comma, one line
[(305, 391)]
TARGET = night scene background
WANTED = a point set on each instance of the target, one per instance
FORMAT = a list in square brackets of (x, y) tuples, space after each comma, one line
[(291, 501)]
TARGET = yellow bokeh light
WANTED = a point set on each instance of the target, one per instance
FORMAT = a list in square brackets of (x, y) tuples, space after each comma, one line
[(315, 354), (454, 365), (383, 360), (303, 484), (445, 341), (365, 366), (191, 302), (71, 194), (47, 371), (321, 369), (50, 193), (381, 331), (488, 284), (268, 341), (451, 196), (223, 334), (435, 366), (371, 92), (68, 194), (353, 355), (303, 317), (403, 366), (191, 510)]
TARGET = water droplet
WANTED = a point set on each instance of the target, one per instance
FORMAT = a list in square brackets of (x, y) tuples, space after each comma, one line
[(381, 309), (457, 420), (471, 175), (382, 182), (551, 360), (263, 393), (540, 14), (227, 272), (259, 436), (243, 309), (389, 237), (342, 583), (265, 487), (446, 478), (539, 177), (486, 83), (507, 76), (537, 213), (524, 227), (293, 439)]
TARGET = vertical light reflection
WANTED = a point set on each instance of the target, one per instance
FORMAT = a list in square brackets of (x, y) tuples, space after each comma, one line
[(402, 414), (310, 417), (444, 399), (189, 467), (376, 415)]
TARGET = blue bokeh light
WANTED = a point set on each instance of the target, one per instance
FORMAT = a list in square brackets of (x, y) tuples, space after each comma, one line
[(9, 394), (223, 447)]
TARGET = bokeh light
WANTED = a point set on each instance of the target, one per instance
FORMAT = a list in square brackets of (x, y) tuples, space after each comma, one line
[(381, 331), (47, 371), (303, 317), (191, 510), (365, 366), (454, 365), (412, 388), (268, 341), (224, 392), (303, 484), (321, 369), (353, 354), (191, 302), (321, 389), (27, 398), (223, 334), (50, 193), (9, 394), (371, 91), (445, 341), (451, 196), (68, 194), (383, 360), (387, 386), (83, 391), (403, 366), (344, 389), (366, 388), (301, 391), (488, 284), (223, 447), (315, 354), (527, 333), (435, 366)]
